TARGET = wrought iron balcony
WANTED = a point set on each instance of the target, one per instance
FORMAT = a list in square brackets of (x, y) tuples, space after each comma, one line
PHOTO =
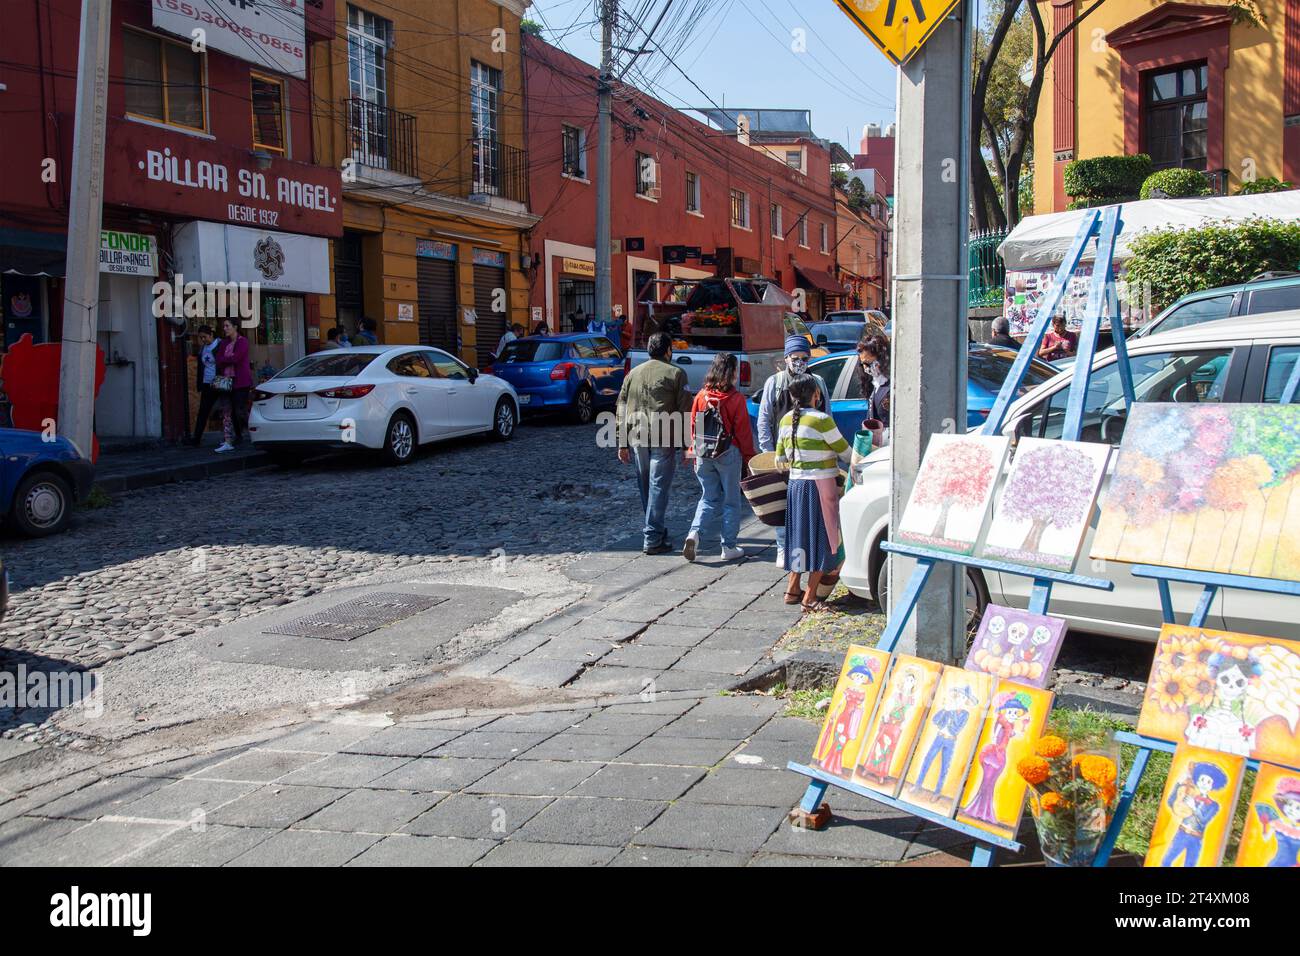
[(499, 170), (381, 137)]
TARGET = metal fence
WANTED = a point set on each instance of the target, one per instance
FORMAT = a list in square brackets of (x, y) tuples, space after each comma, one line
[(381, 137), (988, 276), (499, 170)]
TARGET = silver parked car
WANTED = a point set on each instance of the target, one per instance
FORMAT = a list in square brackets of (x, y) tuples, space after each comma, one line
[(1235, 360)]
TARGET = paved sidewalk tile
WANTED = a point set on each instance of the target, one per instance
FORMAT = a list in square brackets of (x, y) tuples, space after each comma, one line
[(22, 834), (371, 811), (700, 826), (790, 729), (701, 681), (716, 598), (738, 788), (345, 770), (211, 846), (591, 821), (640, 782), (477, 816), (102, 798), (600, 628), (535, 778), (853, 835), (656, 657), (672, 856), (740, 639), (544, 721), (258, 766), (566, 647), (603, 679), (515, 853), (767, 754), (325, 738), (437, 773), (610, 722), (676, 635), (541, 672), (179, 800), (403, 741), (678, 751), (641, 607), (305, 848), (717, 661), (654, 704), (687, 616), (95, 844), (185, 766), (786, 859), (482, 743), (571, 745), (699, 723), (404, 850), (275, 806)]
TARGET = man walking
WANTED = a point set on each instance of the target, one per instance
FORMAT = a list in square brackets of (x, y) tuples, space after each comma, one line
[(653, 420)]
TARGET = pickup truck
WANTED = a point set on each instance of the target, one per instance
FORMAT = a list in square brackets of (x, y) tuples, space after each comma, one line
[(747, 317)]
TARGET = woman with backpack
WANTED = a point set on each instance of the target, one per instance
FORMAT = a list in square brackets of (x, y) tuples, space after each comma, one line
[(721, 444), (810, 446)]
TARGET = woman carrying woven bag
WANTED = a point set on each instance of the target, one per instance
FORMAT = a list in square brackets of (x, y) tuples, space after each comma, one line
[(810, 446)]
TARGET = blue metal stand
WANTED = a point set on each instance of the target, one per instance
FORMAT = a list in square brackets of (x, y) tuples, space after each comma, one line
[(1211, 582)]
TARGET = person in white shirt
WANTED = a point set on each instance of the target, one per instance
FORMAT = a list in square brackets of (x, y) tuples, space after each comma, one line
[(515, 331), (205, 372)]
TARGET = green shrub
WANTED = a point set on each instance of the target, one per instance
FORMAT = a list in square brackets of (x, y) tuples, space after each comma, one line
[(1178, 261), (1105, 179), (1265, 184), (1176, 184)]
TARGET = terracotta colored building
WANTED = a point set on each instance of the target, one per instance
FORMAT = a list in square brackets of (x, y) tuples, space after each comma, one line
[(1199, 85), (210, 171), (688, 200)]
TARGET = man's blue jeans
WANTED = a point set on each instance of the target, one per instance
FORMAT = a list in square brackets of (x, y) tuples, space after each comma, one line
[(720, 496), (655, 468)]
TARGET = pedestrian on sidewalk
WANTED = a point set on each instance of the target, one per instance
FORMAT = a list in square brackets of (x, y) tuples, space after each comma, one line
[(367, 332), (873, 383), (332, 339), (234, 380), (721, 445), (653, 407), (810, 446), (204, 373), (773, 404)]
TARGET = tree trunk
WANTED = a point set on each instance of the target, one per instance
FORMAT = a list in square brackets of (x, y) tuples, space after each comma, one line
[(1034, 537), (942, 523)]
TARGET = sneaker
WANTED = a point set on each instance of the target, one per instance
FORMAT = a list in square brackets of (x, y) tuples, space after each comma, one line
[(224, 447), (662, 547), (689, 546), (732, 554)]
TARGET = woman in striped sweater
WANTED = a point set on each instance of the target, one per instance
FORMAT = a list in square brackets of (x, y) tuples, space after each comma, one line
[(810, 446)]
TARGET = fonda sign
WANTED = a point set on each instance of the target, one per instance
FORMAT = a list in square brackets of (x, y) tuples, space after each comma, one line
[(127, 253), (270, 33)]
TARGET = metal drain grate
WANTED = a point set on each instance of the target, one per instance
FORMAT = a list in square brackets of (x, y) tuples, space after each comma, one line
[(351, 619)]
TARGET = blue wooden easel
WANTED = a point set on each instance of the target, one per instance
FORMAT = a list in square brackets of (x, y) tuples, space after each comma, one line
[(1104, 226)]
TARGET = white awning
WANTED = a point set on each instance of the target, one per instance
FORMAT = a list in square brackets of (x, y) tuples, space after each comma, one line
[(1041, 242), (277, 261)]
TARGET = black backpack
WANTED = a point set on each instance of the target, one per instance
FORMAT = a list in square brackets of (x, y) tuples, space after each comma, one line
[(711, 435)]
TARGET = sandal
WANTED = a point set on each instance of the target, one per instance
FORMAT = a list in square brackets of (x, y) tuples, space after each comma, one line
[(827, 585), (793, 596), (816, 607)]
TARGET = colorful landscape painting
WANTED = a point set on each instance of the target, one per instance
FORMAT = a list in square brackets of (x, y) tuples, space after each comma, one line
[(1237, 693), (950, 499), (1196, 808), (947, 742), (1209, 487), (1046, 504), (994, 796), (894, 728), (1016, 645), (861, 677), (1271, 836)]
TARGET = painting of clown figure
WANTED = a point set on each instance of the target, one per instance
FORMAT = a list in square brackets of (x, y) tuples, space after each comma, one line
[(1271, 837), (893, 731), (1017, 645), (1220, 690), (852, 702), (1196, 808), (947, 743)]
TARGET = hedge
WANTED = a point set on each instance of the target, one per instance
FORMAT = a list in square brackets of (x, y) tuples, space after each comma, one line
[(1265, 184), (1175, 262), (1176, 184), (1106, 179)]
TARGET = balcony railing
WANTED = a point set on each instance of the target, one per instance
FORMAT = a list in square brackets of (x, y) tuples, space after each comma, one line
[(381, 137), (499, 170), (988, 276)]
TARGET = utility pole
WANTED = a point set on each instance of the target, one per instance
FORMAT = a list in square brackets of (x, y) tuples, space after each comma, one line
[(81, 289), (928, 375), (604, 243)]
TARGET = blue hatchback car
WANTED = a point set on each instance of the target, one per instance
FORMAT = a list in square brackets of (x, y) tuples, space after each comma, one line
[(576, 373), (40, 481)]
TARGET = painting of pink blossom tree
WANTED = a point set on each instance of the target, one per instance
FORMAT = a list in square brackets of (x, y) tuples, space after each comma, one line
[(1046, 503), (1207, 487), (950, 499)]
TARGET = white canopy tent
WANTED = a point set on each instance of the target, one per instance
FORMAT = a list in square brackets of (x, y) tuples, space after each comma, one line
[(1041, 242)]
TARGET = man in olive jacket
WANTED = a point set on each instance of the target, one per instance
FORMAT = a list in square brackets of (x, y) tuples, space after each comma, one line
[(654, 412)]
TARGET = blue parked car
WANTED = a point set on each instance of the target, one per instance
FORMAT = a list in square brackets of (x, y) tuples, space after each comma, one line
[(576, 373), (40, 481), (986, 369)]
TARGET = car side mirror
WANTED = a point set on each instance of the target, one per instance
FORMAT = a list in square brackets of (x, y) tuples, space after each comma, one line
[(473, 375), (822, 340)]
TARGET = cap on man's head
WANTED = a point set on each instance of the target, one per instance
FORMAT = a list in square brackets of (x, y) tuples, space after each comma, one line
[(795, 344)]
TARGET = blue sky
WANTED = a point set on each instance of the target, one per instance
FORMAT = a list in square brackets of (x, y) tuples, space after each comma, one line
[(740, 52)]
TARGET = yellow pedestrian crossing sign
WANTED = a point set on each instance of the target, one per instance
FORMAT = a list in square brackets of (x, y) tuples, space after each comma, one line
[(898, 27)]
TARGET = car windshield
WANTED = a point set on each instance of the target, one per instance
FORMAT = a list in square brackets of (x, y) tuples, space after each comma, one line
[(846, 316), (989, 369), (530, 350), (333, 363), (838, 331)]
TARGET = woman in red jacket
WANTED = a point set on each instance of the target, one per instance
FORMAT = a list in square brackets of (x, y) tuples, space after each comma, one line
[(721, 454), (233, 382)]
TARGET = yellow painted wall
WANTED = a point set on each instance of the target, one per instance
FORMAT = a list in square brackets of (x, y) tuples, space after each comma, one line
[(1253, 122)]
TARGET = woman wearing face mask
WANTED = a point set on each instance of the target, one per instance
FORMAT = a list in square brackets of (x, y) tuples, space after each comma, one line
[(772, 407), (873, 380)]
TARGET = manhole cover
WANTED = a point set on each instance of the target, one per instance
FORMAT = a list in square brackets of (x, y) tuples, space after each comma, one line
[(351, 619)]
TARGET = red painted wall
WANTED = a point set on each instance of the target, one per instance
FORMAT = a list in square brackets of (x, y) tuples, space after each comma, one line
[(561, 89)]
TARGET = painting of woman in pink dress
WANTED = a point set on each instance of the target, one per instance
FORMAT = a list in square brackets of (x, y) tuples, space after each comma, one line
[(881, 754), (847, 718), (1012, 717)]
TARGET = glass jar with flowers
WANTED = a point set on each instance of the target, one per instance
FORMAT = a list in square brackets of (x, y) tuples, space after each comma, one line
[(1072, 795)]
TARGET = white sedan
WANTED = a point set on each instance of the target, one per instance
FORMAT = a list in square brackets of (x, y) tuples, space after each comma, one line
[(389, 398), (1247, 359)]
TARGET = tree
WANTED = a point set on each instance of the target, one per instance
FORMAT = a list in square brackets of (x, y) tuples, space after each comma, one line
[(1051, 485), (1011, 46), (957, 474)]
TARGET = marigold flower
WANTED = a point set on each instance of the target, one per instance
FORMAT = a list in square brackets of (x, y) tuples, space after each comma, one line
[(1050, 746), (1034, 770), (1109, 793), (1097, 770), (1053, 802)]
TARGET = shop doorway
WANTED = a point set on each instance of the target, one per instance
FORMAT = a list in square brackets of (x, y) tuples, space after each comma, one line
[(435, 277), (489, 292), (280, 337), (349, 281), (577, 303)]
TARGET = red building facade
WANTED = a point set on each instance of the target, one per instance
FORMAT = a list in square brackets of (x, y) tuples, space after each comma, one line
[(687, 200), (209, 155)]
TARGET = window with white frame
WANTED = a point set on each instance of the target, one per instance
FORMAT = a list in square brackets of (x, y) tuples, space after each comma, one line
[(574, 139), (774, 215), (794, 158), (740, 208), (692, 191), (369, 38), (803, 231), (484, 106)]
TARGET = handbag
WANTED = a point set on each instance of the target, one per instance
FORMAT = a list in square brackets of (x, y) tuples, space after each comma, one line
[(765, 493), (223, 383)]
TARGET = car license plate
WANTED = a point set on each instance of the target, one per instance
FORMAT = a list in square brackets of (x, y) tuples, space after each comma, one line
[(525, 399), (295, 401)]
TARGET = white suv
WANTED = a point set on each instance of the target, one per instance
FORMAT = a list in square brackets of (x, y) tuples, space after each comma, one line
[(1234, 360)]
